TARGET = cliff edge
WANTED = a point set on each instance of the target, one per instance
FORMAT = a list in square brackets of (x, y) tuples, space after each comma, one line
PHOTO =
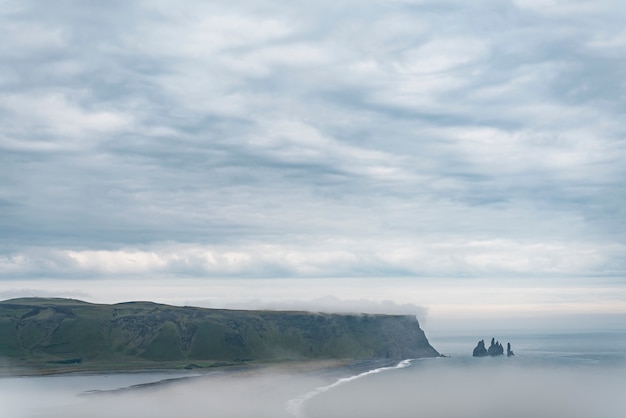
[(65, 333)]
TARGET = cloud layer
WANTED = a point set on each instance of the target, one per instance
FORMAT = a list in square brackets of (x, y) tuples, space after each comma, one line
[(400, 138)]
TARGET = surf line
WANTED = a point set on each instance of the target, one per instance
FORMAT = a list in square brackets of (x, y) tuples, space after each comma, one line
[(294, 406)]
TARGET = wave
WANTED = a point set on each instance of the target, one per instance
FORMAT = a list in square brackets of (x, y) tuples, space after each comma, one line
[(294, 406)]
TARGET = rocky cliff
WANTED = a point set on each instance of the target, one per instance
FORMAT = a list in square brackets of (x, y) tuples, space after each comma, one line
[(54, 332)]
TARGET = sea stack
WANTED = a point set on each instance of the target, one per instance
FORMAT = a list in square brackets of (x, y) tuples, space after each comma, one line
[(480, 350), (495, 349), (509, 352)]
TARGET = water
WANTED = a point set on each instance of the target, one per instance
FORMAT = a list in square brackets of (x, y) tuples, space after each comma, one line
[(569, 375), (573, 375), (33, 396)]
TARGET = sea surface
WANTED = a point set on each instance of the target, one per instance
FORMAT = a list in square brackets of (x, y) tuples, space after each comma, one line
[(552, 375)]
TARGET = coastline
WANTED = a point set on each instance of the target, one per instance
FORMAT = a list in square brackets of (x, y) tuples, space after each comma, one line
[(302, 365), (295, 406), (268, 390)]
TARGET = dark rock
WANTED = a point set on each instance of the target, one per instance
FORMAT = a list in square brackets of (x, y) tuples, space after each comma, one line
[(509, 352), (480, 350), (495, 349)]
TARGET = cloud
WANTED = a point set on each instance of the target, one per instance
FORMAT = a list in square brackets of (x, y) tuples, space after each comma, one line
[(333, 304), (231, 139), (41, 293), (52, 116), (344, 259), (563, 8)]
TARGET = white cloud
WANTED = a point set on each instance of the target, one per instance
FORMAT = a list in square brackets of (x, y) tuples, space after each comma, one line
[(238, 139), (204, 33), (296, 142), (30, 38), (335, 304), (264, 61), (441, 55), (612, 42), (63, 124), (565, 7), (485, 258)]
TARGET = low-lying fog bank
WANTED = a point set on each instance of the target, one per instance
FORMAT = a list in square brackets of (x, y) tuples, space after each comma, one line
[(446, 387), (262, 392), (485, 388)]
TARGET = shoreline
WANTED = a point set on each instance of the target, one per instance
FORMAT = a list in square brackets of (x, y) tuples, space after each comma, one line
[(273, 390), (8, 371), (328, 368), (295, 406)]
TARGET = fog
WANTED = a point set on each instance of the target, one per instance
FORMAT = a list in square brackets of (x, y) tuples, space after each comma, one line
[(484, 388), (467, 388), (332, 304), (233, 394)]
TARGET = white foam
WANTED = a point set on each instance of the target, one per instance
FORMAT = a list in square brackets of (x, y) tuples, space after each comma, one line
[(294, 406)]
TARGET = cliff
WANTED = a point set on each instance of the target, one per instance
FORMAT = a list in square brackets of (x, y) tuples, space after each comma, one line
[(65, 333)]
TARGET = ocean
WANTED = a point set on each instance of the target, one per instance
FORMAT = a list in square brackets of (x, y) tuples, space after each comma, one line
[(552, 375)]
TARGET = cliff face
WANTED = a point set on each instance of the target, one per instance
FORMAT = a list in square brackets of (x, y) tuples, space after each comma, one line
[(62, 331)]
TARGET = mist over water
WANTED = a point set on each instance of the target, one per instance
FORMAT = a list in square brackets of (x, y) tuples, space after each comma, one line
[(551, 376), (484, 389), (563, 375), (51, 396), (237, 394), (295, 407)]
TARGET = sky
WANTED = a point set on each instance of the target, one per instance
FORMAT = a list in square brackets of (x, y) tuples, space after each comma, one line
[(460, 160)]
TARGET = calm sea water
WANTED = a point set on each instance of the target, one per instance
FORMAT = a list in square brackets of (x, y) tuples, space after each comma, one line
[(37, 396), (568, 375)]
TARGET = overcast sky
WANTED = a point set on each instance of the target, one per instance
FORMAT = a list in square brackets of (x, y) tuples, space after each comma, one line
[(361, 150)]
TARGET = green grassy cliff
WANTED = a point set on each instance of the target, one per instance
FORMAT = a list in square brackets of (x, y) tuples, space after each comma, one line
[(64, 334)]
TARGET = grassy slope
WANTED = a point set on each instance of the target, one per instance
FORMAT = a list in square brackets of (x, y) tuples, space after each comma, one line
[(64, 334)]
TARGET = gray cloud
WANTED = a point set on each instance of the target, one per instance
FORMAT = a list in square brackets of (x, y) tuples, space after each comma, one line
[(393, 138)]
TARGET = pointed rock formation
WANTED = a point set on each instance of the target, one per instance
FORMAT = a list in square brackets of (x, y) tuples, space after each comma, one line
[(495, 349), (509, 352), (480, 350)]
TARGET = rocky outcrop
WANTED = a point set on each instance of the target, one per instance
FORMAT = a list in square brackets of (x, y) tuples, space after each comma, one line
[(495, 349), (480, 350)]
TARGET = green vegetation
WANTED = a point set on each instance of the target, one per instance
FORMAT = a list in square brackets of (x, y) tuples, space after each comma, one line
[(57, 335)]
